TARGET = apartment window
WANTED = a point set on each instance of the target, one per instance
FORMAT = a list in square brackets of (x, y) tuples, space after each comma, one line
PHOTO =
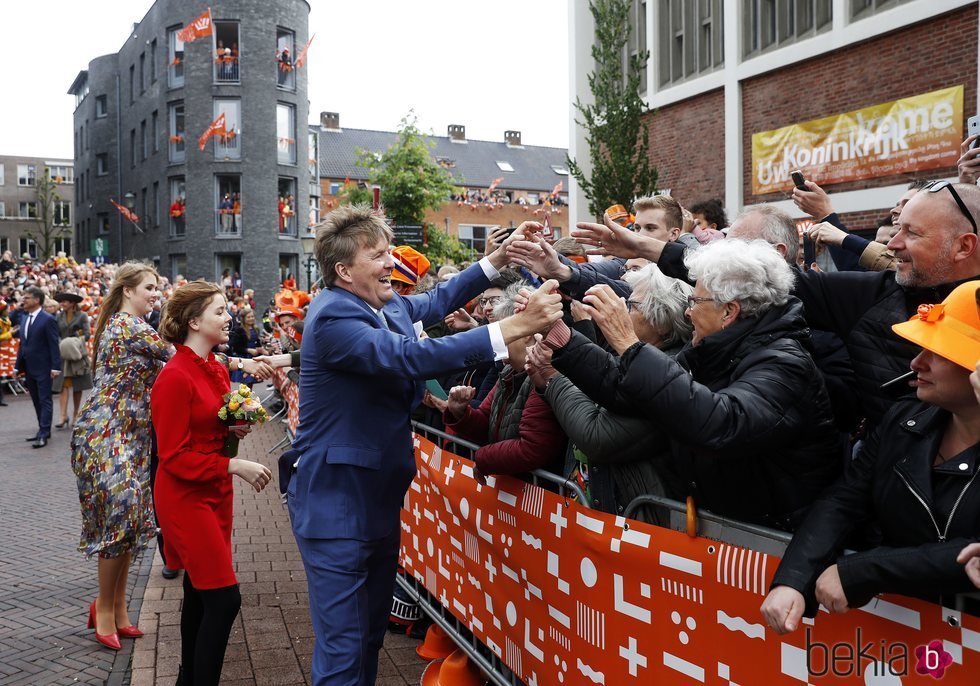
[(474, 237), (175, 115), (153, 61), (287, 266), (286, 133), (286, 59), (88, 130), (178, 207), (102, 222), (228, 146), (156, 203), (690, 39), (143, 145), (61, 173), (226, 51), (863, 8), (62, 244), (26, 174), (132, 148), (27, 245), (314, 213), (144, 210), (61, 213), (1, 174), (27, 209), (142, 73), (3, 211), (102, 164), (768, 24), (287, 206), (155, 130), (637, 42), (4, 242), (175, 58), (178, 267), (101, 106), (132, 84), (227, 205), (227, 265)]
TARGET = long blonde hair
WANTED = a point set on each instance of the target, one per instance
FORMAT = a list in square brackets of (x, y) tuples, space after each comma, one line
[(129, 275)]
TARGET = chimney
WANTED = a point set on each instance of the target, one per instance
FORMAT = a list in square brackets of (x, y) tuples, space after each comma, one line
[(330, 121), (457, 133), (513, 139)]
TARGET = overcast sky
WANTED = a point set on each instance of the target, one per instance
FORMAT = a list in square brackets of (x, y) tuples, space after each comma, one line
[(489, 66)]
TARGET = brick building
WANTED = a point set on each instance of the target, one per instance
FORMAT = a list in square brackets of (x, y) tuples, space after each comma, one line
[(139, 114), (721, 72), (526, 176), (19, 204)]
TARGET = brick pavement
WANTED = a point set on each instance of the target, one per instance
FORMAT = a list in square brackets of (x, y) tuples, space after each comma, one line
[(272, 641)]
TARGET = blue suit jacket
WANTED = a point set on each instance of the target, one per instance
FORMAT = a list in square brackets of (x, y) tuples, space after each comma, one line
[(358, 385), (39, 355)]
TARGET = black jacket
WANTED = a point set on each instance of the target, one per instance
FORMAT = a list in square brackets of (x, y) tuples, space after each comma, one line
[(892, 485), (746, 413)]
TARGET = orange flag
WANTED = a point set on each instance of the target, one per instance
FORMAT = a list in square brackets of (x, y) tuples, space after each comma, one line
[(199, 28), (216, 127), (301, 60), (557, 189), (127, 213), (496, 182)]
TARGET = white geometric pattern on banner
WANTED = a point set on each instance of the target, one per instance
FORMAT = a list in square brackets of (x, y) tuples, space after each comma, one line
[(681, 564), (529, 645), (471, 547), (625, 607), (530, 541), (631, 536), (560, 617), (507, 518), (739, 624), (590, 523), (553, 571), (560, 638), (793, 662), (590, 625), (513, 659), (532, 501), (896, 613), (684, 667), (742, 568), (632, 657), (682, 590), (589, 673)]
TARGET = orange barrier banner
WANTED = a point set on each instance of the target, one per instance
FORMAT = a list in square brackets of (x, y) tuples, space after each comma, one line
[(920, 132), (566, 595)]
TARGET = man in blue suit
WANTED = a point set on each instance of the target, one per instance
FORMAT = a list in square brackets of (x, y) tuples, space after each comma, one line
[(39, 359), (362, 372)]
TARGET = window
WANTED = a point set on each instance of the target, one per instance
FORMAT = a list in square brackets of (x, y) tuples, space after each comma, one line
[(335, 187), (287, 266), (27, 209), (26, 174), (285, 59), (691, 39), (178, 207), (863, 8), (155, 130), (227, 205), (61, 213), (178, 267), (80, 93), (142, 73), (4, 243), (228, 146), (88, 130), (62, 244), (226, 51), (286, 132), (314, 213), (771, 23), (287, 206), (143, 145), (132, 148), (175, 58), (27, 245), (504, 166), (101, 106), (226, 265), (61, 173), (102, 222), (176, 118), (153, 61), (144, 209), (636, 45), (560, 169), (132, 84), (474, 237), (155, 203), (3, 210), (1, 173)]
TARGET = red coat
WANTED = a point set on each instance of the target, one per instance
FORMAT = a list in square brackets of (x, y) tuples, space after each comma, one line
[(193, 490)]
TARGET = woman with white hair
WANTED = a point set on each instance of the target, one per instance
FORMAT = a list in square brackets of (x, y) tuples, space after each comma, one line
[(743, 407)]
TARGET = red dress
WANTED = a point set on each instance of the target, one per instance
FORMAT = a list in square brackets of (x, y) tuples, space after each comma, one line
[(193, 491)]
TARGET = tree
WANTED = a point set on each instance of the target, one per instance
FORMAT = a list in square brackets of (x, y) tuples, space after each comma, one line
[(441, 248), (411, 181), (617, 136), (50, 224), (352, 193)]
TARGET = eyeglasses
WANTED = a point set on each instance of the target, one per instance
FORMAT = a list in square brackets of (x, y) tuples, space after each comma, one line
[(693, 300), (494, 300), (633, 304), (936, 186)]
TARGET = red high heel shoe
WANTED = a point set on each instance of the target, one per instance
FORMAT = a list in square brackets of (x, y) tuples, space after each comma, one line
[(131, 631), (108, 640)]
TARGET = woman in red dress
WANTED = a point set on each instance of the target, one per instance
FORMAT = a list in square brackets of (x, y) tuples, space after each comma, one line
[(193, 489)]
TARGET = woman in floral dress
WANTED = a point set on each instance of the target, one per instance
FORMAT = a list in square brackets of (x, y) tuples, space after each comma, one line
[(111, 445)]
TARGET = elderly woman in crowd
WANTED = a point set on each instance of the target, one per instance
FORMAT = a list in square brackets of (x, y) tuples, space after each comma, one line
[(915, 479), (73, 327), (615, 455), (743, 409), (516, 426)]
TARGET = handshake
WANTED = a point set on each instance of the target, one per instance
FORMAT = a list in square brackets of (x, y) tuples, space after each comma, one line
[(534, 313)]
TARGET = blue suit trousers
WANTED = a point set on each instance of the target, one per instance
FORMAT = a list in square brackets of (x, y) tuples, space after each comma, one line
[(40, 389)]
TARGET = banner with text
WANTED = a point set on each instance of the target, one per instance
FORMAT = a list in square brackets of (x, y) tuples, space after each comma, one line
[(911, 134)]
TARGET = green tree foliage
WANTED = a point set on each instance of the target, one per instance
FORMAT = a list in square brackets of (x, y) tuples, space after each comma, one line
[(48, 231), (354, 194), (441, 248), (618, 139)]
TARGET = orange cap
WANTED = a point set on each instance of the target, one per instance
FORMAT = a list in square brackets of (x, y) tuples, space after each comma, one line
[(294, 311), (950, 329), (455, 670), (410, 265)]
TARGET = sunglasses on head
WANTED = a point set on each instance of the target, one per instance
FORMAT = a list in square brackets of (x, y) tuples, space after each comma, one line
[(937, 186)]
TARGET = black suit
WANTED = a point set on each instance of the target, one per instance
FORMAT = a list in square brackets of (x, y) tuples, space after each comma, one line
[(37, 357)]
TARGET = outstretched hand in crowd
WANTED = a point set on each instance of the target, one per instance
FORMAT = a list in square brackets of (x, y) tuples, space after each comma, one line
[(460, 320), (814, 201), (534, 312), (536, 254), (609, 312), (459, 399), (538, 364), (609, 238)]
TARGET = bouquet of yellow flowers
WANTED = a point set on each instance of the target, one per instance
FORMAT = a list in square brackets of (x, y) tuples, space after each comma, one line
[(241, 407)]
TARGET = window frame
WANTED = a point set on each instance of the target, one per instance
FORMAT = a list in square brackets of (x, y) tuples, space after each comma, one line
[(286, 146), (175, 79), (28, 180), (231, 149), (176, 151)]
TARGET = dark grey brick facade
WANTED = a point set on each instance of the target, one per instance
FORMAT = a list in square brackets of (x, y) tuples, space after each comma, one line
[(259, 244)]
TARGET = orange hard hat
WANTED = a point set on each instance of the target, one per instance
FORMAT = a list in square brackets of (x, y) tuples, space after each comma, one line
[(455, 670), (410, 265), (951, 329)]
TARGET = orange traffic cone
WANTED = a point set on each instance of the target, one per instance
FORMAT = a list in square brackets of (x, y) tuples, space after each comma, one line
[(455, 670), (436, 645)]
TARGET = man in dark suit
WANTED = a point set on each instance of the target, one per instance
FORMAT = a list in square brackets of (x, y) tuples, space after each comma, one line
[(39, 359), (362, 372)]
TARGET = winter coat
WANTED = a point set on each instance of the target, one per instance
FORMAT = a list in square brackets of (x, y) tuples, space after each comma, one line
[(518, 428), (925, 515), (746, 411)]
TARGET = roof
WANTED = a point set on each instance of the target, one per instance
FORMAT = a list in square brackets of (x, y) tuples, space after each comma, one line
[(78, 82), (474, 163)]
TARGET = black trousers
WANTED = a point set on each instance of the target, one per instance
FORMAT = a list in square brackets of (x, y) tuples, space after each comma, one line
[(205, 623)]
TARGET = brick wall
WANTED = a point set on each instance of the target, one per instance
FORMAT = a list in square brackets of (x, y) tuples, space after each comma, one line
[(687, 146), (928, 56)]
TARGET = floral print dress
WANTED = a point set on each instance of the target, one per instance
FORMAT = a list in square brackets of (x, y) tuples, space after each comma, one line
[(111, 442)]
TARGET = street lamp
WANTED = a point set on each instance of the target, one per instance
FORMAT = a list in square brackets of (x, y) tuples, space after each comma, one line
[(129, 200), (311, 264)]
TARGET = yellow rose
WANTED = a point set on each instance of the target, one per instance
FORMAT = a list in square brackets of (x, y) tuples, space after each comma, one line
[(233, 406), (244, 391)]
